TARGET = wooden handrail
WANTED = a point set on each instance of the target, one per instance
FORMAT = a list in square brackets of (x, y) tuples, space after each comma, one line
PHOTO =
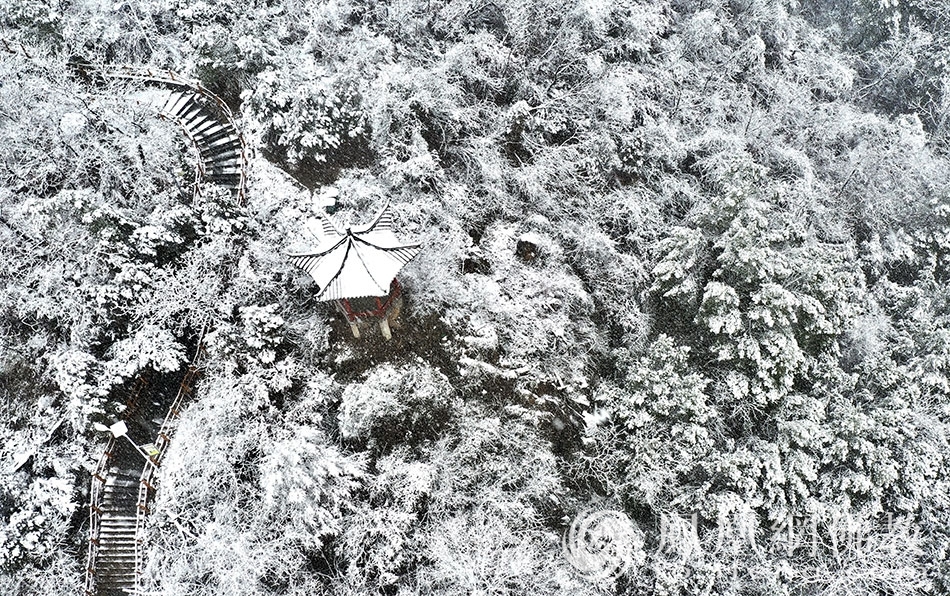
[(167, 77), (147, 482)]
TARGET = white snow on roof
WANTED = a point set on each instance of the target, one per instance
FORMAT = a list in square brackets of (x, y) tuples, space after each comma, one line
[(360, 261)]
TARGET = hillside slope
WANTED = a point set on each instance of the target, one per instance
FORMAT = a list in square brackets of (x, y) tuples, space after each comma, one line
[(683, 260)]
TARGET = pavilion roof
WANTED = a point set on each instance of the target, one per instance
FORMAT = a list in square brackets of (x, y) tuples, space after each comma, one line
[(360, 261)]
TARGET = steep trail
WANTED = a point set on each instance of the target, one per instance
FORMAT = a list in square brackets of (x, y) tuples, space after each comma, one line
[(124, 482), (113, 495)]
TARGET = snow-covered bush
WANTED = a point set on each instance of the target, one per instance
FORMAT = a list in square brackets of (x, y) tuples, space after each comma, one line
[(380, 542), (263, 331), (763, 304), (654, 429), (540, 310), (484, 551), (33, 533), (495, 463), (397, 404), (76, 374), (308, 113), (150, 347), (307, 485)]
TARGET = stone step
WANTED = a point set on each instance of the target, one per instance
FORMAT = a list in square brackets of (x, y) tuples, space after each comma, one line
[(124, 481), (121, 477), (118, 587), (215, 131), (117, 528), (105, 559), (115, 540), (176, 102), (118, 491), (110, 547), (116, 525), (231, 182), (115, 567), (119, 502), (124, 547), (200, 130), (218, 138), (220, 153), (223, 173), (193, 113), (230, 159), (119, 507), (125, 486), (115, 587), (125, 489), (121, 578), (120, 516)]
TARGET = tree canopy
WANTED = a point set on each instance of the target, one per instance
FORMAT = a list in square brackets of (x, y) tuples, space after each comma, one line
[(687, 260)]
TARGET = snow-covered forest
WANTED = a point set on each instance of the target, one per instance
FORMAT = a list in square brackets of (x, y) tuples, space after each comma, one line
[(688, 260)]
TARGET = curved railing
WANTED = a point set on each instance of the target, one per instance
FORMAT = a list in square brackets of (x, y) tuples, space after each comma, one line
[(173, 80), (214, 138)]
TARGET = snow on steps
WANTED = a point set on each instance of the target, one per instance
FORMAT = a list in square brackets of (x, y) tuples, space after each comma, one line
[(222, 156), (123, 481), (122, 487), (204, 118)]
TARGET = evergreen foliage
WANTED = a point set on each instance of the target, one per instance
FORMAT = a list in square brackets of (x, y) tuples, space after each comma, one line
[(680, 258)]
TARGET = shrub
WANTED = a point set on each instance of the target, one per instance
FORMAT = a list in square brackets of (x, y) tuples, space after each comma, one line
[(393, 405)]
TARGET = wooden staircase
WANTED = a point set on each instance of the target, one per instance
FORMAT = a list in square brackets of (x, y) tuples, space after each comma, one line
[(124, 481), (118, 536), (220, 148)]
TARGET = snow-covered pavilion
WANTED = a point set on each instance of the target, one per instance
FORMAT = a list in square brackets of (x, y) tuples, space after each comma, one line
[(357, 269)]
